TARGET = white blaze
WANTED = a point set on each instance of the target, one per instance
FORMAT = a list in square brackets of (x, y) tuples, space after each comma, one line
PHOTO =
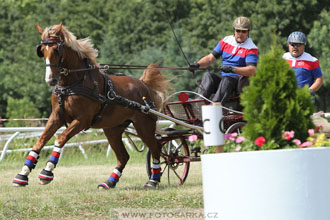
[(48, 72), (48, 69)]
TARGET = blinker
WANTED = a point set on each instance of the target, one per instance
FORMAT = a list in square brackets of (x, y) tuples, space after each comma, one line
[(39, 52)]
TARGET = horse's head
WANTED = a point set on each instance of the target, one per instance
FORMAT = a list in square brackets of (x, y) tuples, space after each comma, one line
[(51, 49), (62, 52)]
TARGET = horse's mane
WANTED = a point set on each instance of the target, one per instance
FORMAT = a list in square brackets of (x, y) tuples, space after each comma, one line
[(84, 47)]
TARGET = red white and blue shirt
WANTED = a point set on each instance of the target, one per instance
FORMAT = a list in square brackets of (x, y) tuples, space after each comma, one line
[(236, 54), (306, 66)]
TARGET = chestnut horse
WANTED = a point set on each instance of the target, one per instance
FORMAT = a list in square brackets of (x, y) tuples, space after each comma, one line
[(85, 97)]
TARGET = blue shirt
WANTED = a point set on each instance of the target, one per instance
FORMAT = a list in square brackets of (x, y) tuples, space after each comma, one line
[(306, 66), (236, 54)]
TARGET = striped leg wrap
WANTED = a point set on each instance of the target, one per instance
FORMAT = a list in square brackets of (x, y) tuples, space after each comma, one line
[(155, 176), (112, 180), (47, 174), (22, 178), (55, 156), (32, 160), (156, 172)]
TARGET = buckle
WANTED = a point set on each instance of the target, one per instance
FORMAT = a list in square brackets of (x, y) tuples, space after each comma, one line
[(62, 91), (64, 71), (111, 95)]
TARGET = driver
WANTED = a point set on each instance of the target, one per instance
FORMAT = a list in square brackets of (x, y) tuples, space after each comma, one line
[(239, 58)]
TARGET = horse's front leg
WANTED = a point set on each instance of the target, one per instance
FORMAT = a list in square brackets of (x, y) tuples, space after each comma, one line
[(52, 126), (46, 175)]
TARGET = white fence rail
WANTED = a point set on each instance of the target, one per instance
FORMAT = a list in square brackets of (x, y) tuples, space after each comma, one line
[(25, 132)]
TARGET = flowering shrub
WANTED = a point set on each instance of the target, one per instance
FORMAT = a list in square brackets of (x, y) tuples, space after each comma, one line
[(195, 141), (234, 142)]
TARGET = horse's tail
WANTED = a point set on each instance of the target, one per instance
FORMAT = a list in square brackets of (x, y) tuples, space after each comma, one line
[(157, 83)]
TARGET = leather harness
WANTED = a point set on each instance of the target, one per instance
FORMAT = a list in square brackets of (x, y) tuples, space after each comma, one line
[(110, 97)]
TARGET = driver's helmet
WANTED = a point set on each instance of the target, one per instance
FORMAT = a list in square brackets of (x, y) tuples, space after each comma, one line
[(297, 37), (242, 23)]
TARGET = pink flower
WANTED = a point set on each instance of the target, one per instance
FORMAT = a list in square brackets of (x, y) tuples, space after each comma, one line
[(260, 141), (288, 135), (230, 136), (240, 140), (192, 138), (234, 134), (311, 132), (227, 136), (238, 148), (307, 144), (297, 141)]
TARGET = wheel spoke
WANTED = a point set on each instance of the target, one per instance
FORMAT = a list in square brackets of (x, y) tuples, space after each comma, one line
[(164, 169), (178, 176), (168, 175)]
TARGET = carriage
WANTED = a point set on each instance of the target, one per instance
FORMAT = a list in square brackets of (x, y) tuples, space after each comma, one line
[(177, 150), (86, 97)]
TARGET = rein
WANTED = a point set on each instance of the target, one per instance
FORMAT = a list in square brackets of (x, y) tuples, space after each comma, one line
[(136, 67)]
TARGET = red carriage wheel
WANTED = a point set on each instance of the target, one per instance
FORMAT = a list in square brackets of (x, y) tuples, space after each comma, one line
[(174, 159)]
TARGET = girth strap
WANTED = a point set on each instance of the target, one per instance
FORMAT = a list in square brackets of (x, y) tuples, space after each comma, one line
[(78, 90)]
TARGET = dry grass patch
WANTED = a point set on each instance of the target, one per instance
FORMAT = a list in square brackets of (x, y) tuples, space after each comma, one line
[(74, 195)]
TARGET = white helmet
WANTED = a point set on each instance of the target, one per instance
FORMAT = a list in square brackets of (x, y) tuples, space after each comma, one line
[(297, 37)]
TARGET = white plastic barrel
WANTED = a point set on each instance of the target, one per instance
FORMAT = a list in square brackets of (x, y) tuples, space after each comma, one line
[(211, 115)]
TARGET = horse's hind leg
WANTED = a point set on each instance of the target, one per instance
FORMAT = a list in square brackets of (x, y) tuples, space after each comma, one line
[(145, 128), (52, 126), (114, 136)]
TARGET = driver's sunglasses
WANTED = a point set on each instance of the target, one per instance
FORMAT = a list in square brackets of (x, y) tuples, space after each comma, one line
[(241, 31), (296, 44)]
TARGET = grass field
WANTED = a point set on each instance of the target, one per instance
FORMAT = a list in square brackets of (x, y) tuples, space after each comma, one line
[(74, 195)]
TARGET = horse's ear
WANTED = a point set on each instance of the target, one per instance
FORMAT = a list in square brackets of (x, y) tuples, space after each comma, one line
[(40, 30), (59, 28)]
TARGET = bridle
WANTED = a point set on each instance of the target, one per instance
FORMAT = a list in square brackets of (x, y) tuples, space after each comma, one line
[(60, 44)]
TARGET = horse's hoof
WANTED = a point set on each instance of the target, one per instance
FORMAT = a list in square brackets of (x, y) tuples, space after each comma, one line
[(20, 180), (103, 186), (18, 185), (151, 184), (107, 185), (45, 177), (44, 182)]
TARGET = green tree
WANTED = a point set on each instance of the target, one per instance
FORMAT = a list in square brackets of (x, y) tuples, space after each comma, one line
[(21, 108), (138, 32), (319, 41)]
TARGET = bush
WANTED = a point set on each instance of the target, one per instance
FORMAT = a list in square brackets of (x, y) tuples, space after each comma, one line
[(273, 103), (234, 142), (21, 108)]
